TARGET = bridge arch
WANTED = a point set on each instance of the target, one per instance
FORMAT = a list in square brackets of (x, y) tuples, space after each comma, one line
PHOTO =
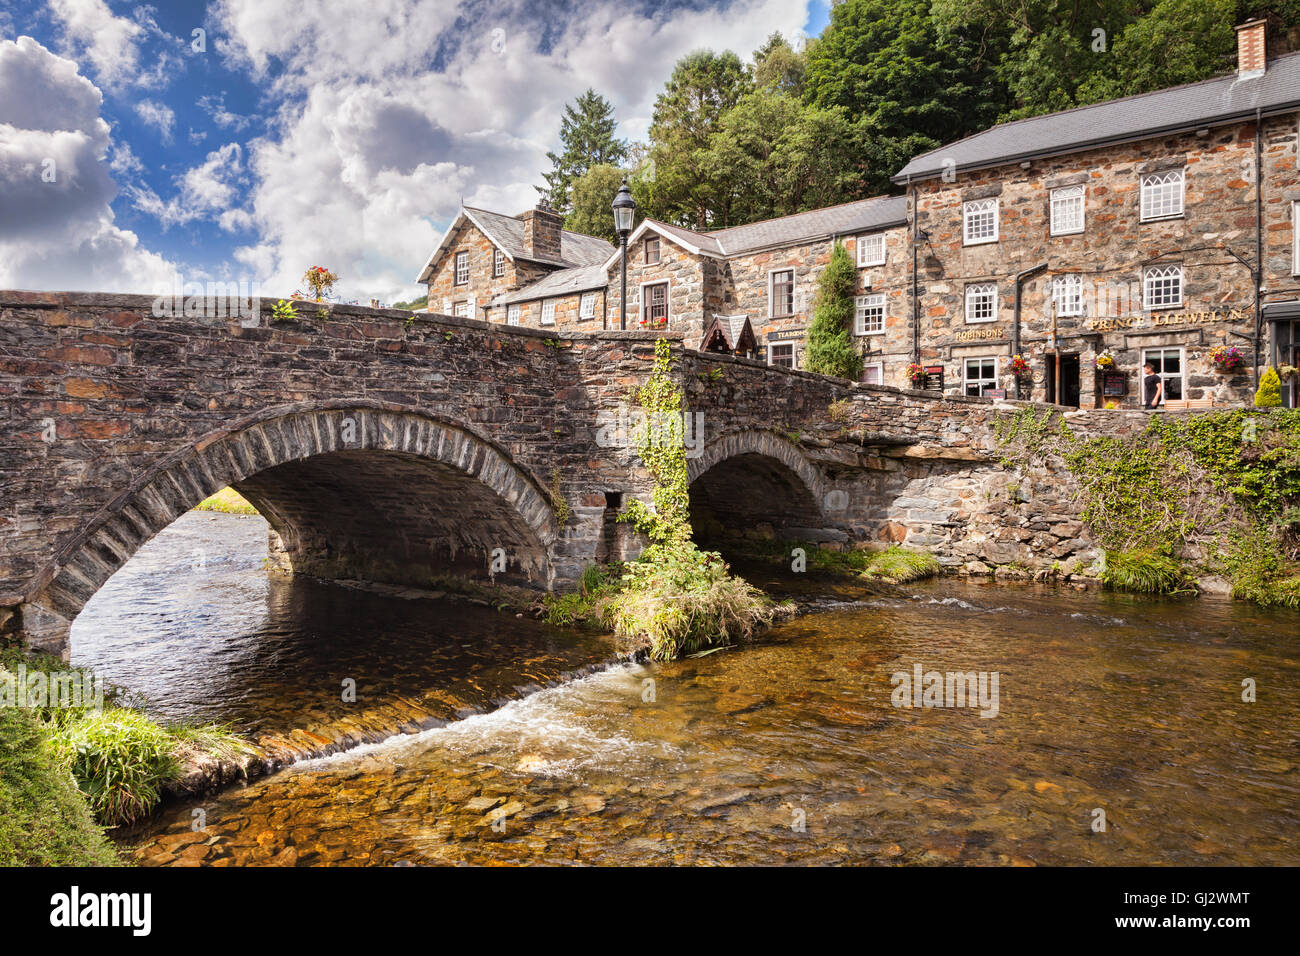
[(751, 476), (354, 489)]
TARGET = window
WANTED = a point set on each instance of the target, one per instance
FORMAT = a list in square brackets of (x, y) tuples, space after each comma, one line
[(1162, 287), (1067, 210), (462, 268), (498, 263), (1169, 366), (781, 299), (652, 251), (461, 309), (871, 249), (979, 376), (1162, 195), (982, 302), (980, 221), (1295, 238), (870, 314), (548, 312), (1067, 295), (587, 308), (512, 315), (873, 374), (654, 305), (781, 353)]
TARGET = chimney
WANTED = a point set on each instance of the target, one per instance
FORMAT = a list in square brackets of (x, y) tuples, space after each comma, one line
[(1251, 49), (542, 232)]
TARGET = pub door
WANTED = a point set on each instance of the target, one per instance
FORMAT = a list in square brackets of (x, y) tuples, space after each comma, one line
[(1069, 379)]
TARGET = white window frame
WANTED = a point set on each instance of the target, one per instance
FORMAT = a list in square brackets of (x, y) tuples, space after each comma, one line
[(972, 208), (1165, 377), (863, 303), (771, 292), (865, 243), (880, 369), (771, 353), (966, 380), (587, 306), (1067, 293), (548, 312), (498, 263), (1295, 237), (461, 263), (461, 309), (1156, 202), (980, 288), (1058, 200), (1154, 274), (668, 300), (513, 313)]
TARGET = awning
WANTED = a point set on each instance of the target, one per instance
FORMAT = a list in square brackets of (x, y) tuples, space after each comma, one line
[(1282, 311)]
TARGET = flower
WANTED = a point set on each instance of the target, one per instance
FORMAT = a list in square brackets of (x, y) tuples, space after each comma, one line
[(1019, 366), (1227, 358), (915, 372), (1105, 361)]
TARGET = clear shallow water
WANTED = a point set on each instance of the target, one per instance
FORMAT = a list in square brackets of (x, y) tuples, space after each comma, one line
[(789, 751)]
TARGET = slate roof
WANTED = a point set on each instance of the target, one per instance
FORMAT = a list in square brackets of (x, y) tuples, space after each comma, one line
[(560, 282), (862, 215), (507, 232), (732, 328), (1208, 103)]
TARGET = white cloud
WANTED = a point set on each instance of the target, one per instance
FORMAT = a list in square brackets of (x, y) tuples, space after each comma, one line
[(370, 147), (207, 191), (56, 224), (110, 43), (155, 114), (215, 106)]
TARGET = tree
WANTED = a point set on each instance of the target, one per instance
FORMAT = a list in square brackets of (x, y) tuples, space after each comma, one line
[(910, 87), (778, 66), (830, 348), (587, 136), (781, 156), (593, 192), (704, 85)]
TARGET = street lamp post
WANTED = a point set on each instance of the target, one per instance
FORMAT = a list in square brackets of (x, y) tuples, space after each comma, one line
[(624, 212)]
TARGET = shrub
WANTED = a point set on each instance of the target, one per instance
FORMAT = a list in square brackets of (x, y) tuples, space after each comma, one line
[(830, 345), (1269, 394)]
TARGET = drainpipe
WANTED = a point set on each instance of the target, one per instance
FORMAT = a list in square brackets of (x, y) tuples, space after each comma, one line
[(1259, 242), (1015, 321), (916, 304)]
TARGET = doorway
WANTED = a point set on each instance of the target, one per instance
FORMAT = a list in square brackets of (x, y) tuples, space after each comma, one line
[(1069, 379)]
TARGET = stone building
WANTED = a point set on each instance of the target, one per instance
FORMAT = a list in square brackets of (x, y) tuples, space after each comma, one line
[(1154, 228), (1131, 230), (486, 259)]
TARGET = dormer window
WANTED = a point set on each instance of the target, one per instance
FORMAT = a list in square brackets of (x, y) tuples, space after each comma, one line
[(462, 268), (652, 251)]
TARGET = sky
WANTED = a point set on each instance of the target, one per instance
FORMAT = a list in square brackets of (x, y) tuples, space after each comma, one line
[(246, 140)]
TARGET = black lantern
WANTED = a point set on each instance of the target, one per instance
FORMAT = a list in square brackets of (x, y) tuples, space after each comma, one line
[(624, 213)]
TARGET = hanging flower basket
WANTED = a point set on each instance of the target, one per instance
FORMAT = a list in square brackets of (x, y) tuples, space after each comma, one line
[(916, 374), (1019, 367), (321, 281), (1105, 362), (1227, 359), (1288, 371), (654, 323)]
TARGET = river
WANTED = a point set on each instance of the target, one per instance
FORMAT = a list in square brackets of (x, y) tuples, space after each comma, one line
[(1120, 734)]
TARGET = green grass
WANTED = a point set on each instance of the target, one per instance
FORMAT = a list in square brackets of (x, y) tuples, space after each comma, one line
[(44, 820), (896, 565), (227, 501), (1145, 572)]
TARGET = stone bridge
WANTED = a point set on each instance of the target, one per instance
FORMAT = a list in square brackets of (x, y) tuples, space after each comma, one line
[(392, 447)]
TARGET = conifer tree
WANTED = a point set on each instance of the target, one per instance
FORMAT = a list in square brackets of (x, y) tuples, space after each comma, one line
[(830, 344)]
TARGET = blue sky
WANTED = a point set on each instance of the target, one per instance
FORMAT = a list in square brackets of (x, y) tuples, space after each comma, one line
[(133, 148)]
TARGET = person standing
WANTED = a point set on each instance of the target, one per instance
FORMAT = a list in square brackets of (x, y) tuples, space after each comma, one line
[(1153, 387)]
